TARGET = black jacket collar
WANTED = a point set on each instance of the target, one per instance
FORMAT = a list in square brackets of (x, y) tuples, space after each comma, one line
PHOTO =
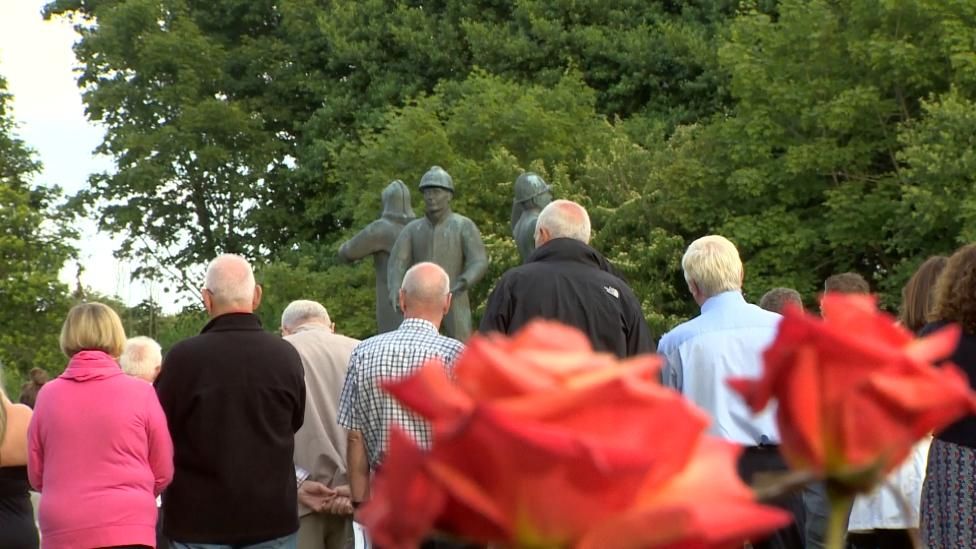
[(568, 249), (232, 322)]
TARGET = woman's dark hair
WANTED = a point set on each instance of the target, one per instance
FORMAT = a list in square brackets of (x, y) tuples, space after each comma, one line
[(955, 292), (28, 392), (918, 295)]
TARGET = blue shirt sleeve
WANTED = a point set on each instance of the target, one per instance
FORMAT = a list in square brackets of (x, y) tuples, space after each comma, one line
[(671, 375)]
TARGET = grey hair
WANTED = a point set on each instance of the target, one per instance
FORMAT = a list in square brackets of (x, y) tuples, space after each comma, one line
[(564, 219), (775, 300), (231, 280), (300, 311), (426, 283), (140, 356)]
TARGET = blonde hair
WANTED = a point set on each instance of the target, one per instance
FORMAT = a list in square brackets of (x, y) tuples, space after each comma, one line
[(92, 326), (713, 264)]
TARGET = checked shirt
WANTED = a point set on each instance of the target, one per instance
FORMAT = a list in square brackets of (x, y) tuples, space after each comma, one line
[(365, 407)]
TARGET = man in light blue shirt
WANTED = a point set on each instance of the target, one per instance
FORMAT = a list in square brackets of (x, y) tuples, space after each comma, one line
[(727, 340)]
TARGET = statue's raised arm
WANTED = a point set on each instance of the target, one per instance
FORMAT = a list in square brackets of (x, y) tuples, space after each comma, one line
[(377, 239)]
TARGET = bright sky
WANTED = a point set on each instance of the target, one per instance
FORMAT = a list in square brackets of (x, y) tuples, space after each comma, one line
[(38, 63)]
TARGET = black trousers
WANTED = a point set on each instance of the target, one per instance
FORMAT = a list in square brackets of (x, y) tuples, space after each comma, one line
[(880, 539), (767, 459)]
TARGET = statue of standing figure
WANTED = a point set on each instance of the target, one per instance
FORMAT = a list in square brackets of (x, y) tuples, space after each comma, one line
[(447, 239), (531, 195), (377, 239)]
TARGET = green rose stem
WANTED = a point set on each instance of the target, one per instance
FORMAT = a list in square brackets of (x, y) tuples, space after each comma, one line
[(841, 500)]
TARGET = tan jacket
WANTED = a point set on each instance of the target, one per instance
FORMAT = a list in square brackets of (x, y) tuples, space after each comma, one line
[(320, 445)]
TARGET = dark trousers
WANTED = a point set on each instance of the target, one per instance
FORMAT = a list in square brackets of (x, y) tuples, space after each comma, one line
[(162, 541), (880, 539), (756, 460), (441, 543)]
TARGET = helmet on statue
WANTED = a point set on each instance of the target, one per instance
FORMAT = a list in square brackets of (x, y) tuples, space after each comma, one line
[(528, 186), (437, 177)]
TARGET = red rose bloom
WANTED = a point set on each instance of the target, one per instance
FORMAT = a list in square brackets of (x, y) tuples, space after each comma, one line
[(542, 442), (855, 391)]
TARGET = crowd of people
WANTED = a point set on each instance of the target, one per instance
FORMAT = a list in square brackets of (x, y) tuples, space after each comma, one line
[(241, 438)]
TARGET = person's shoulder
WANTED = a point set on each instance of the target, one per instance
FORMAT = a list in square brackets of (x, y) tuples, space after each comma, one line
[(274, 344), (446, 342), (51, 387), (679, 334), (328, 339), (373, 342), (761, 316), (135, 386), (447, 348), (612, 283), (346, 341), (19, 412), (188, 346), (519, 272)]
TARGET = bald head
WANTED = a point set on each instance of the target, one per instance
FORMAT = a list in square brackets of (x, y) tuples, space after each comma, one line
[(562, 219), (425, 292), (230, 286)]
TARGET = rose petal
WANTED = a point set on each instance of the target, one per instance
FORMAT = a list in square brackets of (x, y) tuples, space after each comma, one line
[(402, 484), (706, 505)]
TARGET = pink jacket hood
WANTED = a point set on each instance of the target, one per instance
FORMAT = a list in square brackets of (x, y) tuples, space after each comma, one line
[(90, 365)]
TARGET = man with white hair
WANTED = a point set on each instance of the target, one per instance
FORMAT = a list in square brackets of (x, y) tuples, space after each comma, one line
[(364, 408), (141, 357), (324, 509), (234, 396), (727, 340), (565, 279)]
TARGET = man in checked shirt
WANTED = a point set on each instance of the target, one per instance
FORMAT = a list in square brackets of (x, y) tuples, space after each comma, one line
[(364, 408)]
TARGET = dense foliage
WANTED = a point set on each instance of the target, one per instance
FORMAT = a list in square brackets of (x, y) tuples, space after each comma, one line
[(33, 248), (819, 136)]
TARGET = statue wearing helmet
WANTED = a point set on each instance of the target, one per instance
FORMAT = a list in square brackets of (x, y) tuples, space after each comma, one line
[(531, 195), (377, 239), (447, 239), (437, 177)]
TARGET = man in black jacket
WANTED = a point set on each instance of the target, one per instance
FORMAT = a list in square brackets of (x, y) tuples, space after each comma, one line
[(565, 279), (234, 397)]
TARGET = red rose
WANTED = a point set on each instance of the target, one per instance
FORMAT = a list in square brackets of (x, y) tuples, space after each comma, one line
[(855, 391), (543, 442)]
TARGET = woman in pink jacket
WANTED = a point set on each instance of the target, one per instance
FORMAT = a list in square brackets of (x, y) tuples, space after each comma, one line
[(99, 449)]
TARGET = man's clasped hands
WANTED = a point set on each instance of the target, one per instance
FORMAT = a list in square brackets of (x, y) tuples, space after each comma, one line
[(322, 499)]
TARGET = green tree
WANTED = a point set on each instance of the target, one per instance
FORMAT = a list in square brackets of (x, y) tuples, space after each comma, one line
[(346, 291), (222, 115), (33, 248), (192, 160), (840, 112)]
